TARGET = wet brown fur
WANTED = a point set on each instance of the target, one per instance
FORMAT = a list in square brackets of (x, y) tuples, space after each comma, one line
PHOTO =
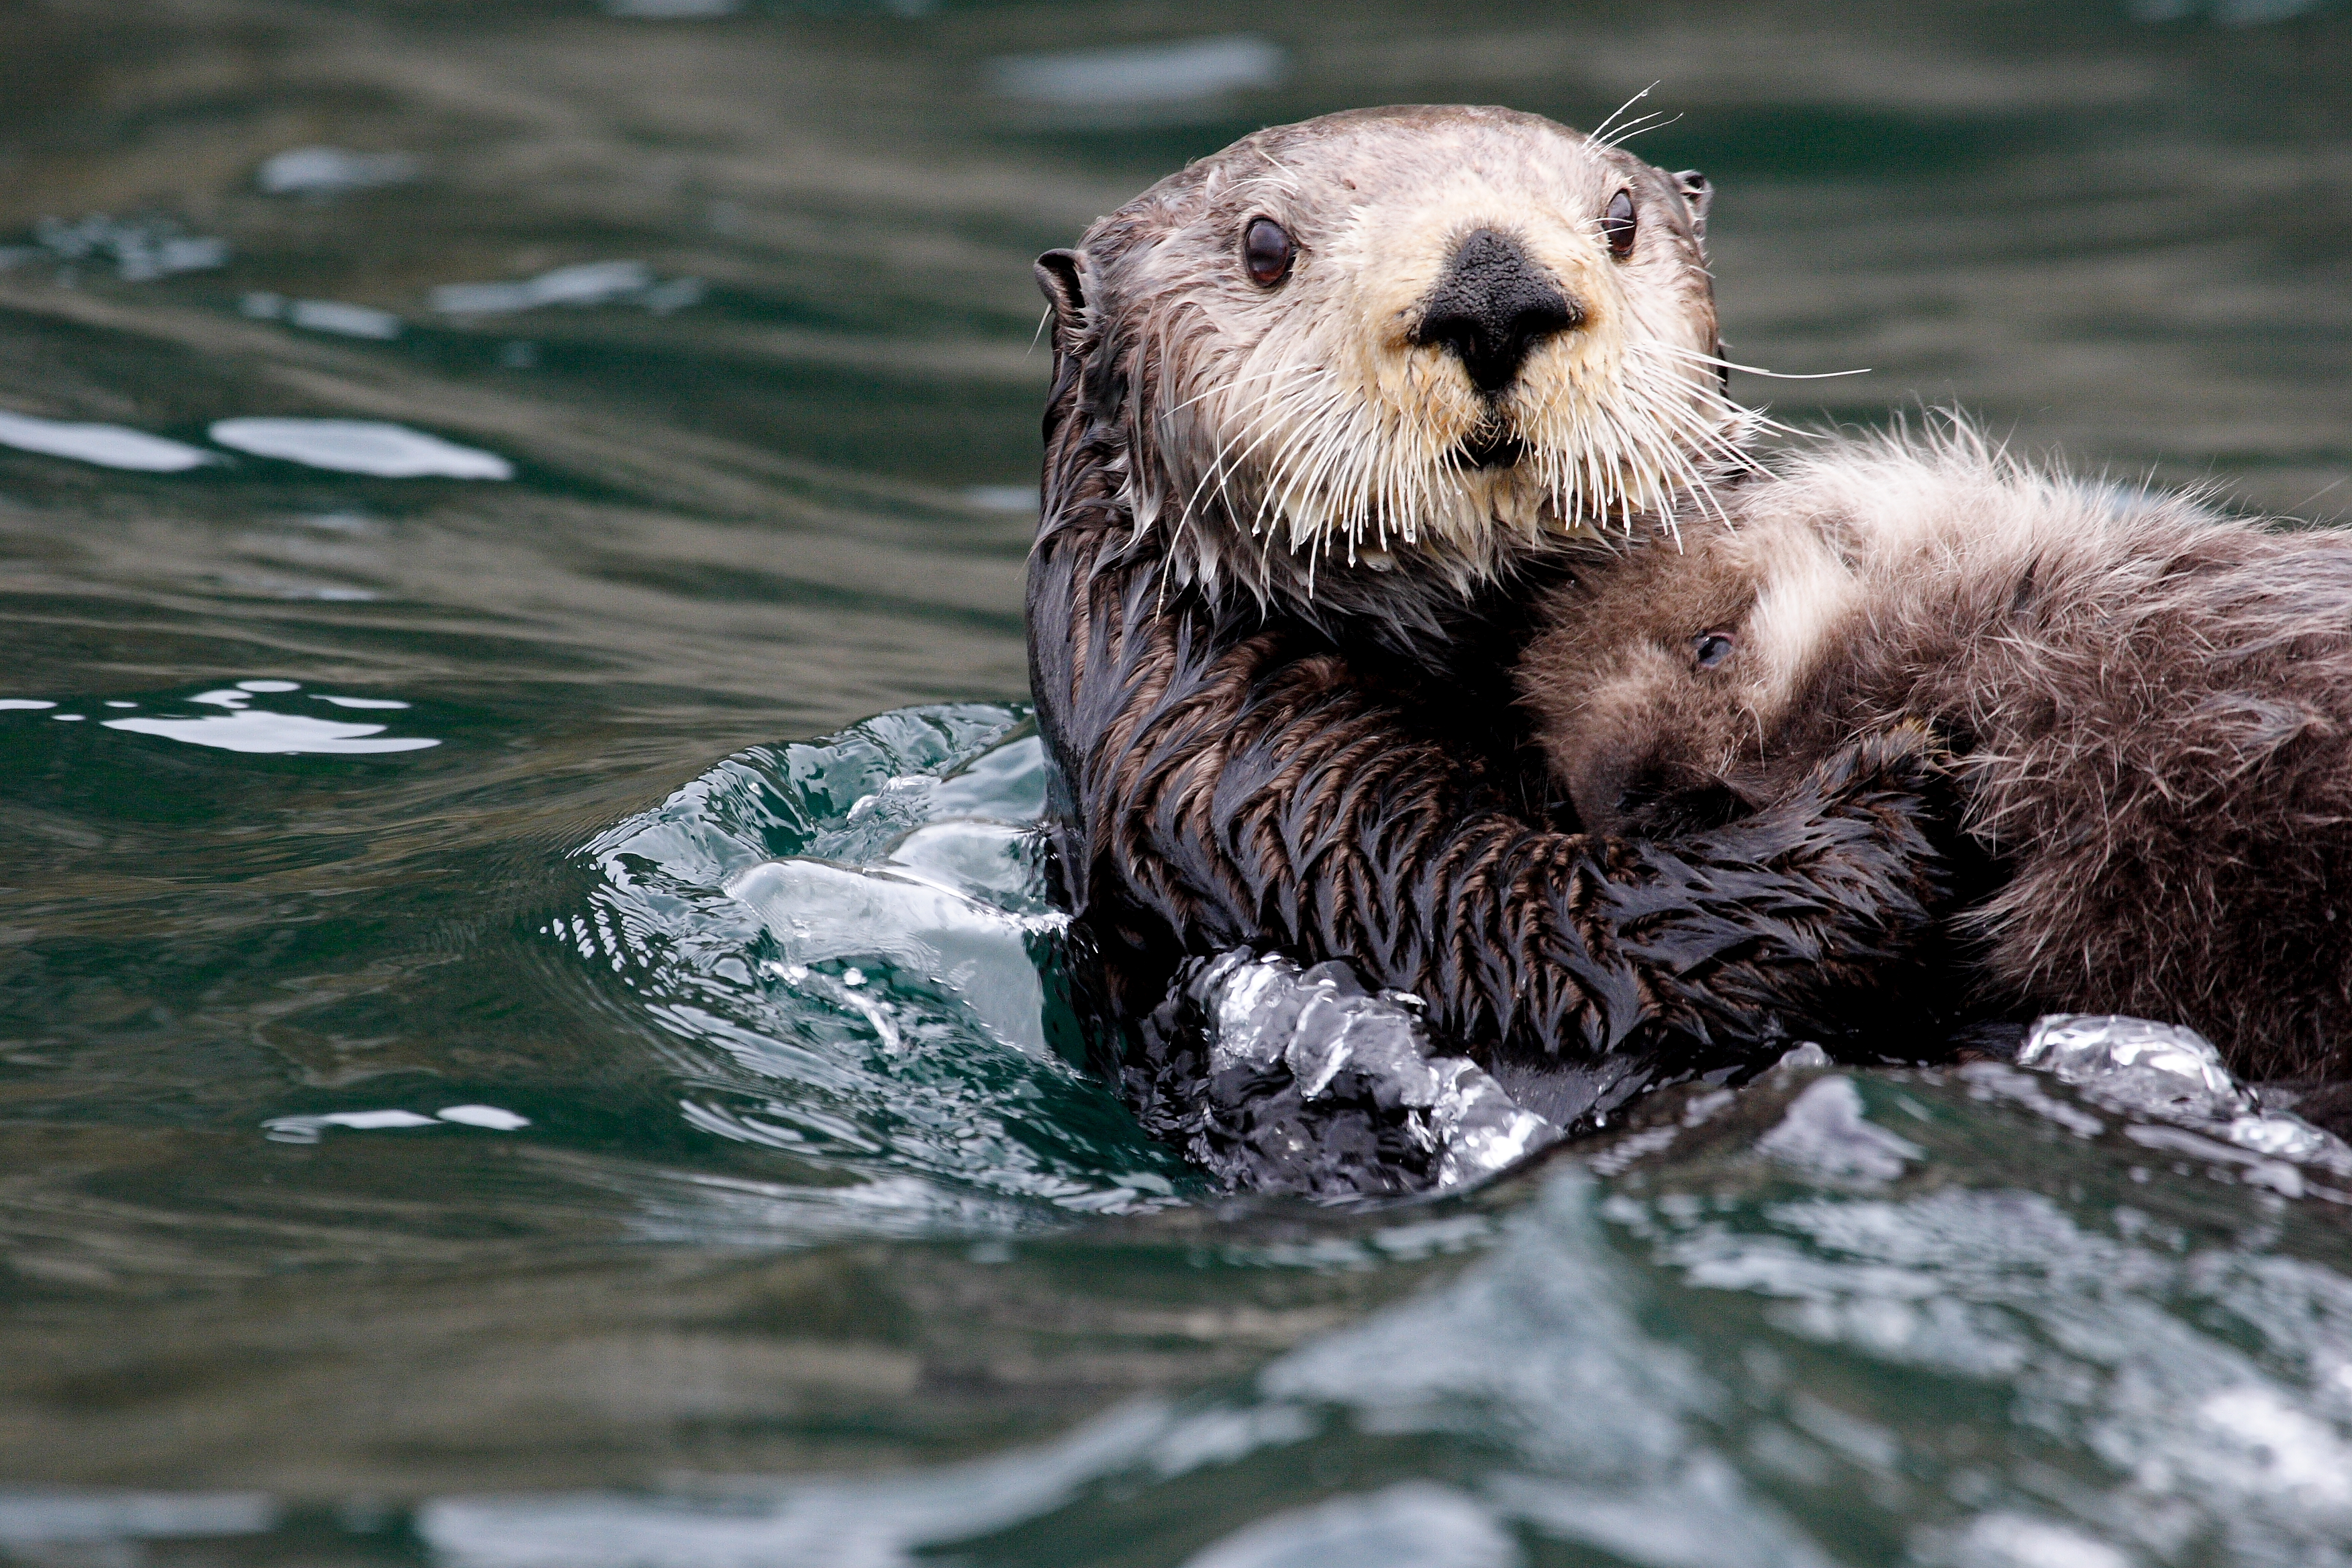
[(1341, 773), (2149, 704)]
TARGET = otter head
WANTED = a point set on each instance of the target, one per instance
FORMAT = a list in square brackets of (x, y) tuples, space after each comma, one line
[(1414, 340), (1669, 681)]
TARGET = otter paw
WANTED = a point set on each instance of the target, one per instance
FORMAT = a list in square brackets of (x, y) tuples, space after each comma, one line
[(1907, 759)]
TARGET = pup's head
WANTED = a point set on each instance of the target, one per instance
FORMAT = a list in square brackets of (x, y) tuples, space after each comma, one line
[(1413, 337), (1669, 669)]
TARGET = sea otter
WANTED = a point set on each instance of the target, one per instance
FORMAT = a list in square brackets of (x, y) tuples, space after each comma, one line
[(1328, 408), (2149, 708)]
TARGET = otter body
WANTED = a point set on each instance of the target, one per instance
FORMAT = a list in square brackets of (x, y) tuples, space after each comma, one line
[(1329, 408), (2150, 708)]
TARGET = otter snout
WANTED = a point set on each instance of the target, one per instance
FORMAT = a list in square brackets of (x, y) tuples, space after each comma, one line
[(1492, 306)]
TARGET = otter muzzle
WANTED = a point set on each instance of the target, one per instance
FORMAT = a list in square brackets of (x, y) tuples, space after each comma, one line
[(1493, 305)]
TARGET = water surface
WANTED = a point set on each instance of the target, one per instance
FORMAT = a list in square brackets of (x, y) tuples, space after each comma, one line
[(459, 464)]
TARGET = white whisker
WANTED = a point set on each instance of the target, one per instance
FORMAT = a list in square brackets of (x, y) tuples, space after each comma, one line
[(1601, 130), (1758, 370), (1639, 126)]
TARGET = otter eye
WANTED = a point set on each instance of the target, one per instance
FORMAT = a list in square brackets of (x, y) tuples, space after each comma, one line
[(1618, 223), (1711, 649), (1266, 250)]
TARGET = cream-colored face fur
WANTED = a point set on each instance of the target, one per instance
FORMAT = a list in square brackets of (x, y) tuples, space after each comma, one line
[(1307, 420)]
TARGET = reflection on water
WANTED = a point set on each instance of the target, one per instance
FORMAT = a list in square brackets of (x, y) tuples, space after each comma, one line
[(108, 446), (480, 1091), (306, 1129), (582, 284), (244, 728), (1142, 84), (140, 249), (360, 446), (344, 446)]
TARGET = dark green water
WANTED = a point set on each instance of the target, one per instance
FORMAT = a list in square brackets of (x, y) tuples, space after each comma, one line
[(756, 1244)]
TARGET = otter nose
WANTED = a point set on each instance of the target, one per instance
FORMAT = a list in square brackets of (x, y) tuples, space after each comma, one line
[(1494, 304)]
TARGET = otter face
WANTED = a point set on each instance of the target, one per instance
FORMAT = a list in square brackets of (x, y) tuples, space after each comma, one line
[(1401, 336), (1670, 669)]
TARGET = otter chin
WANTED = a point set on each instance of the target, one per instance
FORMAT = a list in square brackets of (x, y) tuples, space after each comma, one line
[(1440, 337)]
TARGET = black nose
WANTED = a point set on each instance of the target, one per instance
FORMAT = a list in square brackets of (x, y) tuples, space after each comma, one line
[(1494, 304)]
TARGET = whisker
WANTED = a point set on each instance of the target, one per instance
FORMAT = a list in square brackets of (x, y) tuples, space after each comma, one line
[(1240, 380), (1601, 130), (1754, 369), (1217, 470), (1642, 126)]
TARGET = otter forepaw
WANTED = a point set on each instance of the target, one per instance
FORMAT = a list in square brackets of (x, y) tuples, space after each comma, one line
[(1908, 758)]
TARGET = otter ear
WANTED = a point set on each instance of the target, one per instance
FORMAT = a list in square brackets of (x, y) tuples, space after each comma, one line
[(1060, 277), (1698, 194)]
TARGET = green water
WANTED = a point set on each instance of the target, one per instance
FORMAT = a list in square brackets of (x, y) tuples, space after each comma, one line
[(746, 1244)]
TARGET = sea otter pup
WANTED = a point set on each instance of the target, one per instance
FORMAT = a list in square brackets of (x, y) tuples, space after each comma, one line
[(2149, 708), (1327, 408)]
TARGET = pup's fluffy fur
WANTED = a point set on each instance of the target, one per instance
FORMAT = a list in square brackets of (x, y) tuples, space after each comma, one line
[(2150, 708)]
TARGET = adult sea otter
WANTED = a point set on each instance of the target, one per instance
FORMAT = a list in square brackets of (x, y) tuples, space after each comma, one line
[(1330, 410)]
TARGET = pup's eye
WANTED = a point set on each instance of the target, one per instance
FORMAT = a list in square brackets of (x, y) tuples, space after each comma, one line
[(1266, 251), (1618, 223), (1711, 649)]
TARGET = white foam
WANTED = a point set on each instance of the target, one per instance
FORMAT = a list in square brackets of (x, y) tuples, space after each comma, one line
[(108, 445), (360, 446)]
